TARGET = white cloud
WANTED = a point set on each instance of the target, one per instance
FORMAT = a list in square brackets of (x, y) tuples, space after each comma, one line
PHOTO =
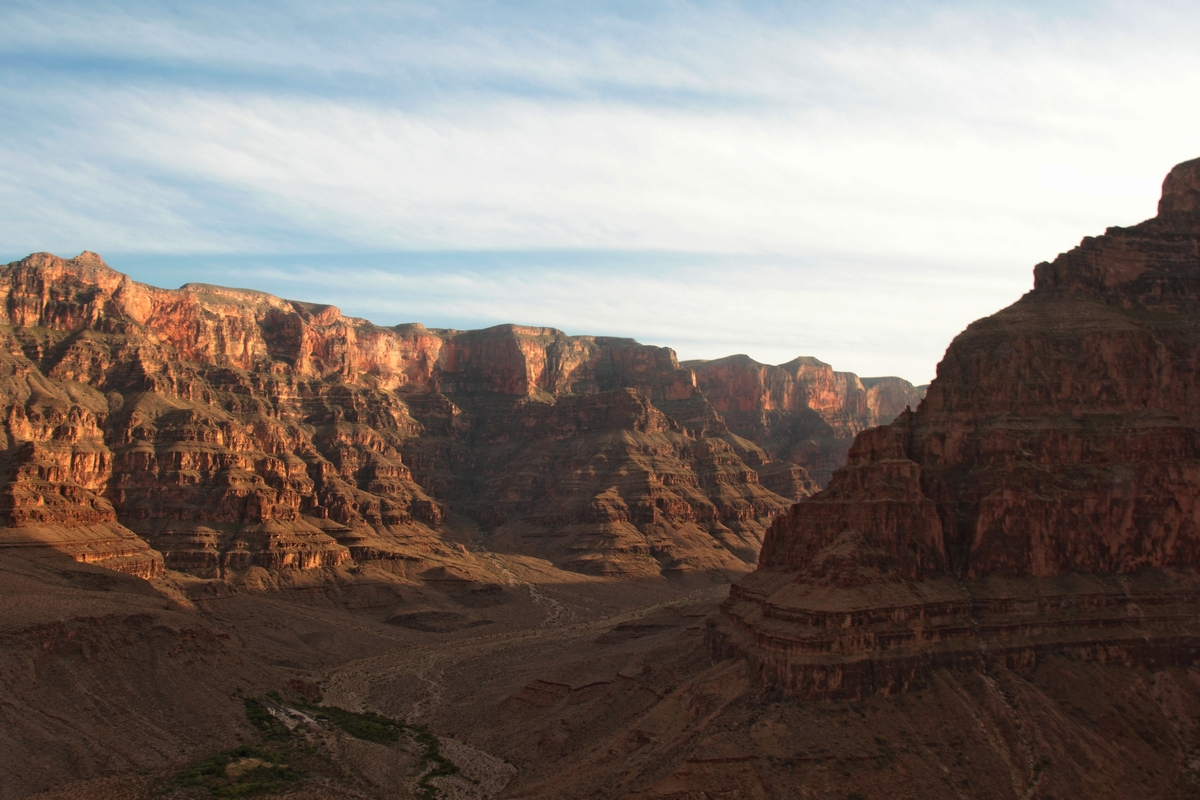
[(917, 171)]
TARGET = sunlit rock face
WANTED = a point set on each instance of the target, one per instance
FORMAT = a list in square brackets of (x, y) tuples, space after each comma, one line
[(213, 429), (1045, 496), (802, 411)]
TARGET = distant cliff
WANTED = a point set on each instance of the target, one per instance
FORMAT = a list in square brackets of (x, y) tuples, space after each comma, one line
[(801, 411), (223, 428)]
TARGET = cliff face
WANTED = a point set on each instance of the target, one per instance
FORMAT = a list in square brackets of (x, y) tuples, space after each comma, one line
[(223, 428), (1041, 499), (802, 411)]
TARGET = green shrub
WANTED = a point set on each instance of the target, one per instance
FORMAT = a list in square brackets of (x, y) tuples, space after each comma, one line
[(361, 725), (212, 773), (262, 720)]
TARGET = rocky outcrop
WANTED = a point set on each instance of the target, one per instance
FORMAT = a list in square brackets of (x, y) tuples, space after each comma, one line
[(213, 429), (1042, 499), (635, 497), (802, 411)]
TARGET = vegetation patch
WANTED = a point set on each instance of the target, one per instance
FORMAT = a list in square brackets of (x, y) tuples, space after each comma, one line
[(361, 725), (264, 722), (242, 771), (285, 756), (438, 764), (378, 728)]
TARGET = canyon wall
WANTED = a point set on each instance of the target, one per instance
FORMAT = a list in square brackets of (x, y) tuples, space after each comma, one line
[(222, 428), (802, 411), (1044, 498)]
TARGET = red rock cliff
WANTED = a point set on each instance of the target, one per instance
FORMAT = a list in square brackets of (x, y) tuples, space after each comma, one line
[(802, 411), (1041, 498), (230, 428)]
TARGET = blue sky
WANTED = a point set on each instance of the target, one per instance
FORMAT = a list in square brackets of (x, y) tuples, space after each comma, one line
[(852, 181)]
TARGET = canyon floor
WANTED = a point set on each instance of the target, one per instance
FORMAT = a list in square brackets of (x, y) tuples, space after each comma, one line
[(537, 683)]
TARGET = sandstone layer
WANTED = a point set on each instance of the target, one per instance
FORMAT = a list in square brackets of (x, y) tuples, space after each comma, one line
[(211, 429), (802, 411), (1044, 498)]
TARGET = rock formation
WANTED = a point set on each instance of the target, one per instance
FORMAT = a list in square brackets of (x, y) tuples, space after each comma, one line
[(223, 428), (1044, 498), (802, 411)]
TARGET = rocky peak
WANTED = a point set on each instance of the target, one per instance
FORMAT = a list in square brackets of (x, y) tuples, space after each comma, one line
[(1059, 439), (1181, 189), (1151, 265)]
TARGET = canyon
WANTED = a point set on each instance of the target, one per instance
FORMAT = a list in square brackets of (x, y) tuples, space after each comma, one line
[(346, 489), (584, 569)]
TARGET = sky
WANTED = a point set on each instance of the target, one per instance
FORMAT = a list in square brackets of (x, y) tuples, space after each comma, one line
[(855, 181)]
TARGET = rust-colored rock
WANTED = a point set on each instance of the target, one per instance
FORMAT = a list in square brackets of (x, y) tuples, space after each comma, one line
[(1045, 496), (227, 428), (802, 411)]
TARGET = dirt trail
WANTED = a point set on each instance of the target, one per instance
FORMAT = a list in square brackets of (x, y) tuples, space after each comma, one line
[(556, 612), (350, 684)]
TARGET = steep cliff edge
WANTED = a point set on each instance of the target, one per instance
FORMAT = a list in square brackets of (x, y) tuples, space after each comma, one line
[(802, 411), (222, 428), (1045, 496)]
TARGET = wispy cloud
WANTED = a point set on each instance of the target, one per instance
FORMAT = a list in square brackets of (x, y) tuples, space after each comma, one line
[(847, 163)]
